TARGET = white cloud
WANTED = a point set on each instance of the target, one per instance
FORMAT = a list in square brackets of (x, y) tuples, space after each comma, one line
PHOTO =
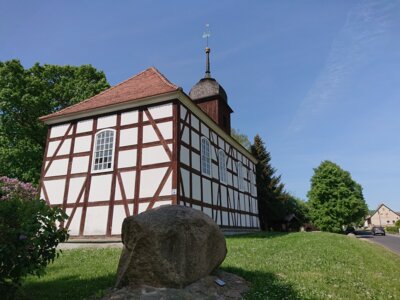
[(364, 28)]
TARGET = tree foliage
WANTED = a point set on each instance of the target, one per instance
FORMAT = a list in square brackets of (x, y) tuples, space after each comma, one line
[(270, 190), (241, 138), (28, 234), (27, 94), (335, 199)]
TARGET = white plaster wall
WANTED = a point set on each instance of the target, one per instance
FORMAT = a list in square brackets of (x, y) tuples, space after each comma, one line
[(183, 112), (154, 155), (204, 130), (55, 190), (163, 202), (80, 164), (142, 207), (128, 137), (130, 117), (230, 181), (224, 197), (167, 189), (186, 182), (196, 207), (118, 217), (100, 188), (65, 147), (242, 220), (107, 121), (214, 170), (194, 121), (196, 192), (149, 135), (213, 154), (225, 218), (58, 167), (195, 161), (76, 221), (195, 140), (185, 135), (127, 158), (232, 200), (215, 193), (184, 155), (207, 211), (214, 137), (150, 180), (206, 191), (84, 126), (217, 216), (128, 180), (75, 186), (165, 129), (51, 148), (59, 130), (82, 144), (221, 142), (96, 220), (161, 111)]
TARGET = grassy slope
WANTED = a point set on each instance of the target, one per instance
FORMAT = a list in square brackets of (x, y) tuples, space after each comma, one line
[(292, 266)]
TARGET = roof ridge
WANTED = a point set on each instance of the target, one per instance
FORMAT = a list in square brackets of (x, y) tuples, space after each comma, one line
[(109, 89), (163, 77)]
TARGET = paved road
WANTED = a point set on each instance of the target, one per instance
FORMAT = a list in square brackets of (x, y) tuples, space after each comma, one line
[(390, 241)]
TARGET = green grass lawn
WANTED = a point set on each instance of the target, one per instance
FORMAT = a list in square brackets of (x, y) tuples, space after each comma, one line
[(279, 266)]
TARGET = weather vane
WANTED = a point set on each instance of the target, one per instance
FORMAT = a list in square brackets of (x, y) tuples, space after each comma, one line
[(207, 33)]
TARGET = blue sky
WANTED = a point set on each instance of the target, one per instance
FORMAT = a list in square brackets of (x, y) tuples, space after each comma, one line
[(318, 80)]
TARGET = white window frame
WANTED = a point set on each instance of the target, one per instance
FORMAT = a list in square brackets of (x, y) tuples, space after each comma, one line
[(239, 167), (95, 150), (223, 174), (205, 157)]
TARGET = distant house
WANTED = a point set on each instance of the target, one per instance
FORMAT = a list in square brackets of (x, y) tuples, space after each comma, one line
[(383, 216)]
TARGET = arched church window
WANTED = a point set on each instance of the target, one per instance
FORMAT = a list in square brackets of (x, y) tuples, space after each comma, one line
[(104, 150), (222, 166), (205, 156)]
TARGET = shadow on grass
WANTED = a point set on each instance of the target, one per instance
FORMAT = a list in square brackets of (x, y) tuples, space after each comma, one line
[(68, 287), (265, 285), (262, 235)]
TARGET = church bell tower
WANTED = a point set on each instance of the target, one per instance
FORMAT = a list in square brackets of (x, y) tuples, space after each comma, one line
[(212, 98)]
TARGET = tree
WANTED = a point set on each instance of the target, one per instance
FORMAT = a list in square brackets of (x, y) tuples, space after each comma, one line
[(27, 94), (335, 199), (241, 138), (270, 191), (298, 207)]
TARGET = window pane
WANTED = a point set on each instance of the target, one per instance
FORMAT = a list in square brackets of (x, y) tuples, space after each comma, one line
[(104, 149)]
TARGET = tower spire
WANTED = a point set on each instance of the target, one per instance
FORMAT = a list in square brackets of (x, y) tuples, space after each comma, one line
[(206, 35)]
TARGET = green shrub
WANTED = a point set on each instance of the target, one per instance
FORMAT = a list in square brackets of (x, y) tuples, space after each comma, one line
[(398, 223), (28, 234), (392, 229)]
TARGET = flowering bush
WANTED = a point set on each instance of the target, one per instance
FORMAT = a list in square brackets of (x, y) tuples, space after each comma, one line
[(11, 187), (28, 234)]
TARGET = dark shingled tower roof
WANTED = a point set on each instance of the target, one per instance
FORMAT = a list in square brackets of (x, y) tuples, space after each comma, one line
[(207, 86)]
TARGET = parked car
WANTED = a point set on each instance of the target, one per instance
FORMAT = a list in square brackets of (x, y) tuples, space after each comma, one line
[(350, 229), (378, 230)]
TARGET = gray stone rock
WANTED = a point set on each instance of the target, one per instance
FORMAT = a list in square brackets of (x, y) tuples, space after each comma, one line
[(203, 289), (169, 246)]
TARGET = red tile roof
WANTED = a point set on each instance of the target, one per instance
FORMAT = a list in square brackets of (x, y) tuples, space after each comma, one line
[(145, 84)]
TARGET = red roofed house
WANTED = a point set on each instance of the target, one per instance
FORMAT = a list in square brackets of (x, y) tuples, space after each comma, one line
[(145, 143)]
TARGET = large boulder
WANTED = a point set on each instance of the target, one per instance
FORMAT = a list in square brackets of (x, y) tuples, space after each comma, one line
[(169, 246)]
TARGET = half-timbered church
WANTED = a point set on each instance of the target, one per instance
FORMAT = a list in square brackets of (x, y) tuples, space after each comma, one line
[(144, 143)]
